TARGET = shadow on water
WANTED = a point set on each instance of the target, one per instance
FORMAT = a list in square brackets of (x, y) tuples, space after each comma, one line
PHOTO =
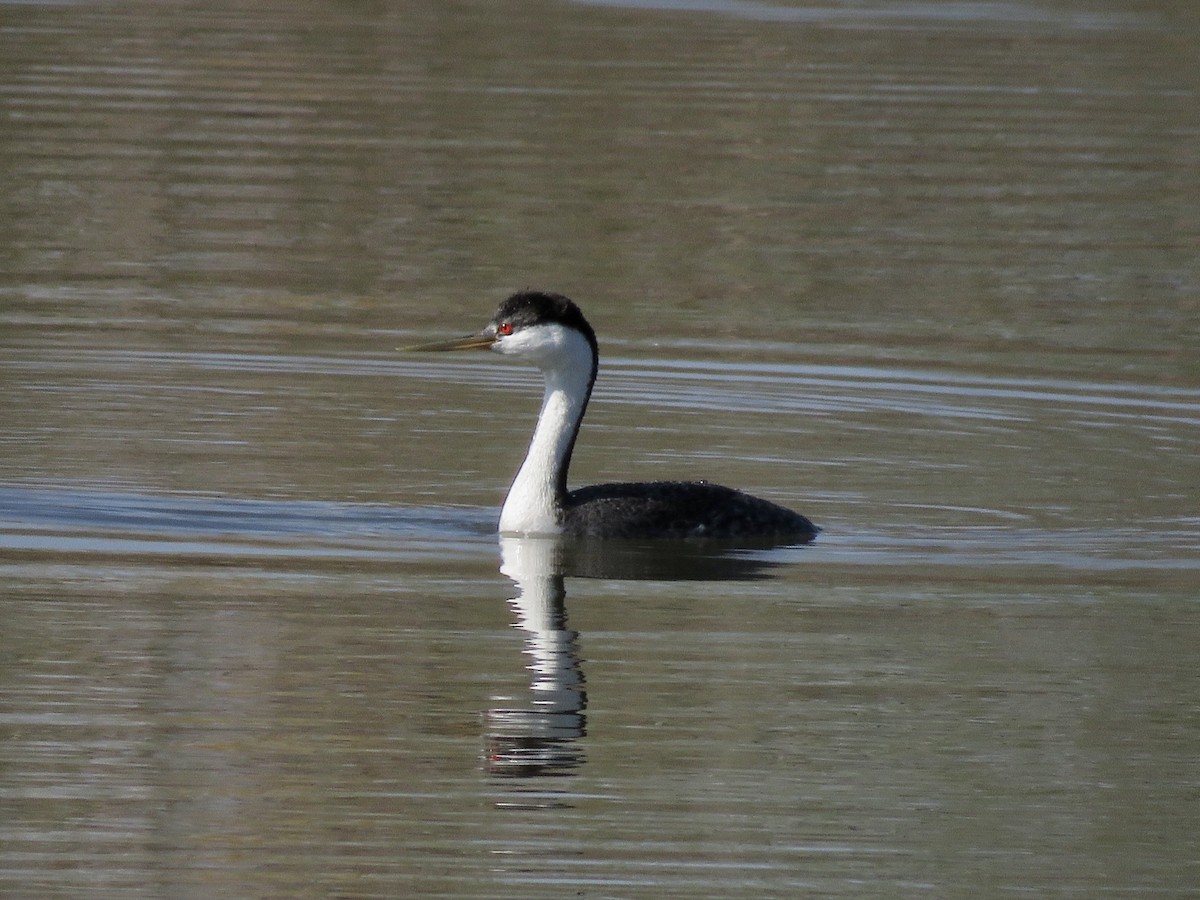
[(542, 736)]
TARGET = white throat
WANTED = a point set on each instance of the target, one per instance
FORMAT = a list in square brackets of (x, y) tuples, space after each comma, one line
[(534, 502)]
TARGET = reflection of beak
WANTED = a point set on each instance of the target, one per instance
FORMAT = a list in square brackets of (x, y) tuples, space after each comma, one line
[(480, 341)]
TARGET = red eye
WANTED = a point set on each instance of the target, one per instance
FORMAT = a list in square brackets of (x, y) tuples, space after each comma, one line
[(504, 329)]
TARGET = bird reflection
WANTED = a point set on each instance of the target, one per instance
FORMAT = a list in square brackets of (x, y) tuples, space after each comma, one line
[(540, 737)]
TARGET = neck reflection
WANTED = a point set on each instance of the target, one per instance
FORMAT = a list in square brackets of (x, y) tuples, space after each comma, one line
[(539, 737)]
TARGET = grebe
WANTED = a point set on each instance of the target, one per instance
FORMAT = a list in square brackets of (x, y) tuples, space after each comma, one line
[(549, 331)]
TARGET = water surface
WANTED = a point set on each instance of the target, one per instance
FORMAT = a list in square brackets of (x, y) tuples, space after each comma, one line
[(925, 272)]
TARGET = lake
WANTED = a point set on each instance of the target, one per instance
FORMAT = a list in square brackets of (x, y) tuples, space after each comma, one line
[(926, 272)]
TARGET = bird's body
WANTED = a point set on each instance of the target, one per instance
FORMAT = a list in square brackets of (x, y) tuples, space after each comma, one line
[(549, 331), (678, 509)]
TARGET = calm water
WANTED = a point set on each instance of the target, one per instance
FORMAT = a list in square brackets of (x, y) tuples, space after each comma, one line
[(926, 272)]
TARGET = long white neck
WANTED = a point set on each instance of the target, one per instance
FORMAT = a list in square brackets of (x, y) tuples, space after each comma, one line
[(535, 501)]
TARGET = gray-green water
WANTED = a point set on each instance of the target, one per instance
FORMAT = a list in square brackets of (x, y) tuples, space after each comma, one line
[(925, 272)]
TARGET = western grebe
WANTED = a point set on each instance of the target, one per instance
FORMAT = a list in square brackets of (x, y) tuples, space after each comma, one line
[(549, 331)]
